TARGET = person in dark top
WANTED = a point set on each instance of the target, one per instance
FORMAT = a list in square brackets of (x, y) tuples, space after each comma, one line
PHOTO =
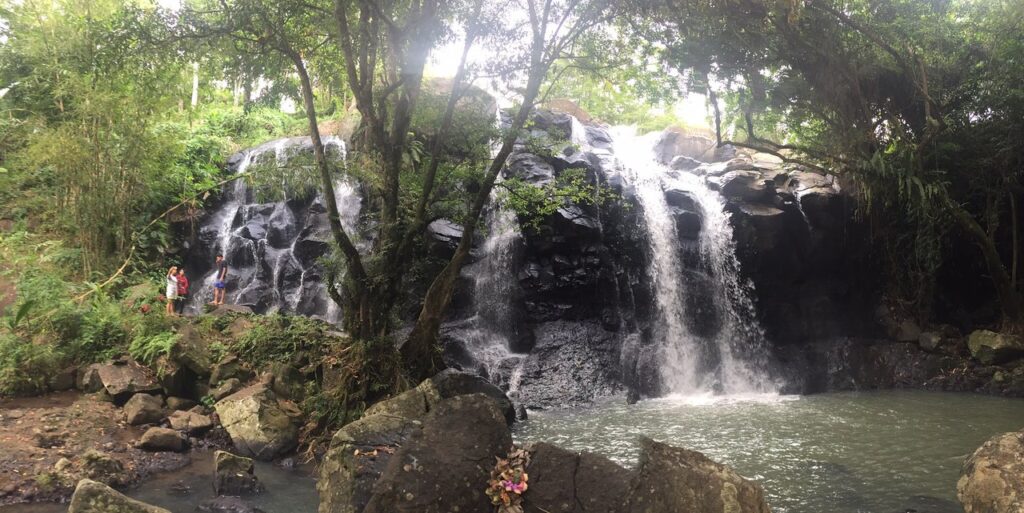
[(220, 281), (179, 303)]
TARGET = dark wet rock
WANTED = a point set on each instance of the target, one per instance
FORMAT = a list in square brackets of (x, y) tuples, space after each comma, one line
[(121, 379), (571, 363), (226, 388), (989, 347), (568, 481), (159, 439), (261, 425), (674, 142), (358, 454), (445, 236), (190, 422), (992, 479), (228, 505), (451, 382), (144, 409), (93, 497), (670, 480), (234, 475), (530, 168), (744, 185), (442, 469), (684, 163)]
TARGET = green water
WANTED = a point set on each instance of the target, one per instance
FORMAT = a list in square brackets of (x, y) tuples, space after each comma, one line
[(877, 452)]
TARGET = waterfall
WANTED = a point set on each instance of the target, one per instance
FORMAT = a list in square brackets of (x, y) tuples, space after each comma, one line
[(705, 325), (494, 283), (271, 248)]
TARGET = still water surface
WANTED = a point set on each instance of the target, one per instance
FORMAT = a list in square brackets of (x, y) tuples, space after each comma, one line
[(869, 452)]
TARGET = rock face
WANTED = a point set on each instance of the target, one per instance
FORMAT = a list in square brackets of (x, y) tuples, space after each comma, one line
[(260, 424), (93, 497), (989, 347), (144, 409), (234, 475), (671, 480), (443, 469), (992, 479)]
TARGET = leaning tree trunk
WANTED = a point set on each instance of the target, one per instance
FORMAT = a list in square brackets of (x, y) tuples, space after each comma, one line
[(1010, 302)]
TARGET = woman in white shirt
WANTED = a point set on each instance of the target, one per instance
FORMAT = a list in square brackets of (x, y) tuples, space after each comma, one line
[(172, 289)]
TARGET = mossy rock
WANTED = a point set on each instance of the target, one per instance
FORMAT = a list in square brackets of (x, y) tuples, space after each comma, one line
[(93, 497)]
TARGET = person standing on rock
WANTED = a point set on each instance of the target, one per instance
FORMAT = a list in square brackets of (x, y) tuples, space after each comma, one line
[(182, 298), (172, 289), (220, 282)]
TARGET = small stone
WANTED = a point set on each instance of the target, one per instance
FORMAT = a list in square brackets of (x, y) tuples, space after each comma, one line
[(163, 439), (234, 475), (143, 409), (179, 403), (190, 422), (226, 388)]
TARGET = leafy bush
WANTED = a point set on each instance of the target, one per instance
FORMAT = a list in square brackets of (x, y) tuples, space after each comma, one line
[(147, 348)]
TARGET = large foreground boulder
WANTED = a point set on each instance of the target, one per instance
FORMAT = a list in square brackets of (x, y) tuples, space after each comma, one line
[(357, 457), (992, 348), (93, 497), (260, 424), (992, 479), (673, 480), (563, 480), (446, 468)]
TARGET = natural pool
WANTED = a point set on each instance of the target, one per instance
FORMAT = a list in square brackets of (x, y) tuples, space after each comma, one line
[(867, 452)]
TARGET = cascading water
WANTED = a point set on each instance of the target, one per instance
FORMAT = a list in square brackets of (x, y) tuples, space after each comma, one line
[(489, 338), (729, 358), (272, 248)]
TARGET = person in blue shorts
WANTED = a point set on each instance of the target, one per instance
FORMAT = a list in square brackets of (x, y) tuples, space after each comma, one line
[(220, 281)]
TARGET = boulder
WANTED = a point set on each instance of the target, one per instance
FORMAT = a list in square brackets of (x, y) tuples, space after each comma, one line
[(446, 468), (64, 380), (411, 404), (445, 236), (192, 351), (229, 367), (159, 439), (451, 383), (744, 185), (93, 497), (226, 388), (358, 454), (992, 479), (671, 480), (120, 379), (286, 381), (674, 142), (190, 422), (260, 424), (234, 475), (684, 163), (991, 348), (144, 409), (568, 481)]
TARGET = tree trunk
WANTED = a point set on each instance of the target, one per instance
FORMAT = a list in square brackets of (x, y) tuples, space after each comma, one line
[(1009, 299), (361, 316)]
